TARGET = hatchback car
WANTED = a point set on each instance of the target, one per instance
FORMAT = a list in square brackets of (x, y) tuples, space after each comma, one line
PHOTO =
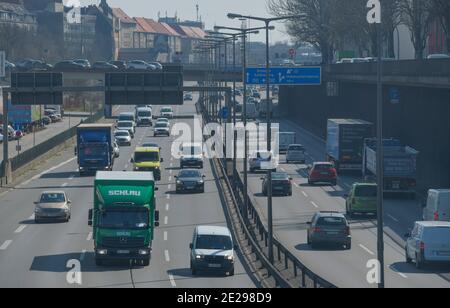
[(429, 242), (126, 125), (261, 160), (161, 129), (122, 137), (362, 199), (140, 65), (190, 180), (116, 150), (212, 249), (281, 184), (330, 228), (296, 154), (191, 156), (166, 112), (52, 205), (322, 172), (102, 65)]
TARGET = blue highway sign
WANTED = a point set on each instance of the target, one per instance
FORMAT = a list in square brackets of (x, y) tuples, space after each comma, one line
[(305, 76)]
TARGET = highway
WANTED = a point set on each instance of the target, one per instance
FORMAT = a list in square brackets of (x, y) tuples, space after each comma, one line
[(36, 255), (342, 268)]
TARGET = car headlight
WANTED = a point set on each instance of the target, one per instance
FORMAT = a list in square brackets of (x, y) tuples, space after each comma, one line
[(136, 168), (199, 257), (38, 210), (229, 257), (201, 182), (143, 252), (179, 182)]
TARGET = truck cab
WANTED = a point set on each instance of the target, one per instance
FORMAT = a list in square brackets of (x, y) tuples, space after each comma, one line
[(148, 160), (124, 217)]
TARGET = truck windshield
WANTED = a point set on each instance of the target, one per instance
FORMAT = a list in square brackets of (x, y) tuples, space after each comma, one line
[(124, 220), (140, 157), (144, 114), (219, 242)]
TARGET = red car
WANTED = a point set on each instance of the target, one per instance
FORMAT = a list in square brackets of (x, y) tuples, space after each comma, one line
[(322, 172)]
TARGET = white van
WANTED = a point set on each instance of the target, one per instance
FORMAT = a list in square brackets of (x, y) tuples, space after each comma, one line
[(252, 113), (437, 207)]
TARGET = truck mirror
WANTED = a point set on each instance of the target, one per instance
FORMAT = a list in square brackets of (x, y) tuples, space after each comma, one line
[(191, 246), (156, 223), (75, 151), (90, 217), (131, 160), (156, 216), (162, 159)]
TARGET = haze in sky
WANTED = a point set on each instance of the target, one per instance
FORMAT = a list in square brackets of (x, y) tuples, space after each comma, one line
[(212, 12)]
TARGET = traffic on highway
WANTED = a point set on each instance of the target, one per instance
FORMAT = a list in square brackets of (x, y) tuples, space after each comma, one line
[(201, 160)]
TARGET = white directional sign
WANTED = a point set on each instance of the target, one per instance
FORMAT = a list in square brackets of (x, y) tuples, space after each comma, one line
[(374, 14), (2, 64)]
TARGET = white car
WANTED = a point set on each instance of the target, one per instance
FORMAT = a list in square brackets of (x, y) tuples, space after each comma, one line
[(141, 65), (191, 156), (161, 129), (126, 125), (1, 138), (296, 153), (122, 137), (166, 112), (163, 120), (116, 150)]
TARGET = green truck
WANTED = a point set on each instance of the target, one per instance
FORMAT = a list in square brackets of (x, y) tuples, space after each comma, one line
[(124, 216)]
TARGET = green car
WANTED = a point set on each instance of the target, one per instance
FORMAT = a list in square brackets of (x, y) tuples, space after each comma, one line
[(362, 199)]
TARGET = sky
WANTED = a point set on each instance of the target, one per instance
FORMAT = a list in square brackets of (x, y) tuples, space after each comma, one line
[(213, 12)]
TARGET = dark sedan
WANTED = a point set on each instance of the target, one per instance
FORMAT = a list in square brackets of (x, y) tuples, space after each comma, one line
[(122, 65), (190, 180), (68, 65), (281, 184), (102, 65)]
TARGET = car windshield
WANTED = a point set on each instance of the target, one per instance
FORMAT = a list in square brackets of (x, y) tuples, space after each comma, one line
[(192, 150), (331, 221), (366, 191), (189, 174), (324, 167), (150, 145), (124, 220), (140, 157), (146, 114), (219, 242), (279, 176), (161, 125), (95, 150), (297, 148), (124, 117), (121, 134), (124, 124), (53, 198), (166, 110)]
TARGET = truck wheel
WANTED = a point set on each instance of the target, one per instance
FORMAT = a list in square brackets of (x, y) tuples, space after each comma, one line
[(193, 270), (231, 272), (419, 263), (407, 258)]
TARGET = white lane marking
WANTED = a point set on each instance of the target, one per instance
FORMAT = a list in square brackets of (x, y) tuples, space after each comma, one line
[(83, 255), (71, 177), (366, 249), (89, 237), (282, 169), (170, 172), (53, 168), (170, 178), (5, 245), (126, 166), (167, 206), (392, 267), (172, 280), (393, 218), (165, 235), (64, 185), (168, 197), (166, 220), (166, 255), (171, 165), (304, 194), (314, 204), (31, 217), (169, 187), (20, 229)]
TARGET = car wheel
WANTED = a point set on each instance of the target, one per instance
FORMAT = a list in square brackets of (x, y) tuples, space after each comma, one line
[(37, 221), (419, 262), (310, 183), (231, 272), (407, 258), (348, 246), (193, 270), (334, 183), (146, 262)]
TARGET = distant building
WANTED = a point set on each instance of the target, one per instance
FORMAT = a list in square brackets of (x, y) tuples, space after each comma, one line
[(79, 37), (15, 14), (437, 39), (124, 26)]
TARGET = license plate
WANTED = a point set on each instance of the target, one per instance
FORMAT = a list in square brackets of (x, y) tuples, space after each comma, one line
[(332, 233), (190, 187), (324, 173), (396, 185), (278, 188), (123, 252), (213, 265)]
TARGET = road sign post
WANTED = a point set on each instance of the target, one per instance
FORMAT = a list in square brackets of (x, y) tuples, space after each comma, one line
[(2, 64)]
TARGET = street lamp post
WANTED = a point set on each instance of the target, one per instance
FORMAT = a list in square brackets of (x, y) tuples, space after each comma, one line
[(267, 22), (374, 17)]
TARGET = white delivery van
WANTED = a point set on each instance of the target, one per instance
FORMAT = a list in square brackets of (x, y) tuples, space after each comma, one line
[(285, 139), (437, 207)]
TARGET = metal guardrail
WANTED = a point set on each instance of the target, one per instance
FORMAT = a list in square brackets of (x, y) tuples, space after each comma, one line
[(31, 154), (257, 233)]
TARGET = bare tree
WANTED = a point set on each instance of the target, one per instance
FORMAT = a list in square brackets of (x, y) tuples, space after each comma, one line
[(417, 15), (441, 9), (314, 26)]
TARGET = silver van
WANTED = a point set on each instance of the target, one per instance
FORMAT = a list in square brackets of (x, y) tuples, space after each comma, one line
[(212, 249), (296, 153), (429, 242), (437, 207)]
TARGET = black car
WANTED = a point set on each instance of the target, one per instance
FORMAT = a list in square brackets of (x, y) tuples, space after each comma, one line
[(68, 65), (190, 180), (102, 65), (33, 65), (281, 184), (121, 65)]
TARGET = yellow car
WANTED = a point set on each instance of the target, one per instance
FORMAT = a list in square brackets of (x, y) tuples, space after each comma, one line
[(148, 159)]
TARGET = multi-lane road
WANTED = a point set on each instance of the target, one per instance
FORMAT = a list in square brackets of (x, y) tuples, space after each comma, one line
[(36, 255), (341, 267)]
